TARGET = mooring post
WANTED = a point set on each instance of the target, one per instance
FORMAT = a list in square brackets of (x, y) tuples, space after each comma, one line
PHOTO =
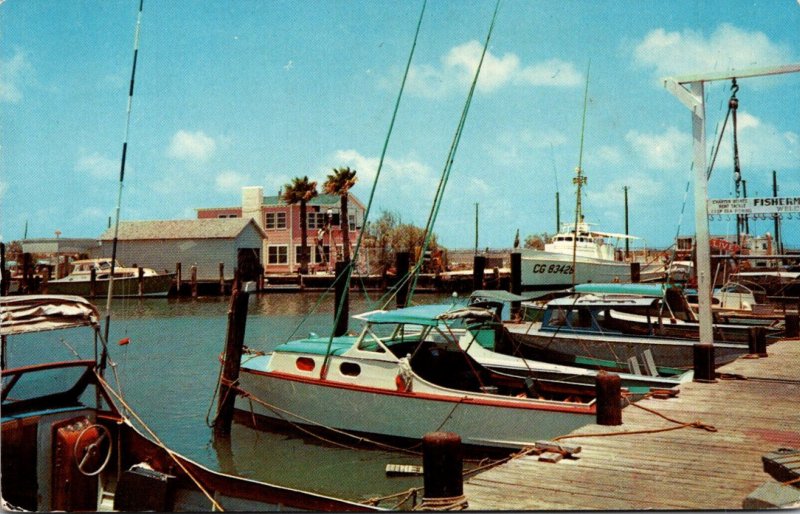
[(221, 278), (443, 467), (703, 354), (636, 272), (194, 281), (478, 269), (92, 282), (178, 278), (234, 344), (45, 279), (792, 322), (141, 282), (27, 273), (401, 282), (608, 388), (516, 282), (340, 292), (757, 341)]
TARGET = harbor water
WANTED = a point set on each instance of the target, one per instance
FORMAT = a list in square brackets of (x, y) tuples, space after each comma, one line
[(168, 373)]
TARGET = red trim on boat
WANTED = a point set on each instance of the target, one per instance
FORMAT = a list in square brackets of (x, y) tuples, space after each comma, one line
[(577, 408)]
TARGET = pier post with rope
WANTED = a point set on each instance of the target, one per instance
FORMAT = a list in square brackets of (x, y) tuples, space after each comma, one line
[(234, 346), (341, 299), (401, 278), (443, 468)]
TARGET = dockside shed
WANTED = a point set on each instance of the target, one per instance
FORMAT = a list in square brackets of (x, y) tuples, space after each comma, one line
[(235, 242)]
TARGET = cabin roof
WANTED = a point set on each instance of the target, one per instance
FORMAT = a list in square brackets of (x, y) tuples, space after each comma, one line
[(215, 228), (654, 290), (591, 300), (429, 315)]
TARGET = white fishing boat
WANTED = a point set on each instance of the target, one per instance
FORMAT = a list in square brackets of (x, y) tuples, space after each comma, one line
[(403, 376), (593, 259)]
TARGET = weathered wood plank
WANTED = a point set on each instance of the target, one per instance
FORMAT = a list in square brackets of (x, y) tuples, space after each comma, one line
[(680, 469)]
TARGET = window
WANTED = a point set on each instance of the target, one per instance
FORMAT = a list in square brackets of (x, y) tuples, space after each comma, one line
[(227, 216), (275, 220), (277, 254), (320, 219), (350, 369)]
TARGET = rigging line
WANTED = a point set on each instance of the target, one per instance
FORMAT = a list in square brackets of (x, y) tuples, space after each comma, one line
[(579, 180), (450, 157), (122, 177), (680, 217), (348, 269)]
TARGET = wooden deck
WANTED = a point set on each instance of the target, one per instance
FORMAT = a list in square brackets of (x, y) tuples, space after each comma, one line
[(689, 468)]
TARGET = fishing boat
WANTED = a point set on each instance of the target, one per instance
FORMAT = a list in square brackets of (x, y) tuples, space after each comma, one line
[(403, 376), (66, 444), (591, 330), (127, 281)]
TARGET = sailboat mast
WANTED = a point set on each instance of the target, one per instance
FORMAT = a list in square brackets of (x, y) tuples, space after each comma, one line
[(579, 179), (121, 179)]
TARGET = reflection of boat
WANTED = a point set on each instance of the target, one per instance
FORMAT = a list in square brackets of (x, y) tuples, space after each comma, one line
[(67, 446), (585, 328), (405, 376), (126, 280)]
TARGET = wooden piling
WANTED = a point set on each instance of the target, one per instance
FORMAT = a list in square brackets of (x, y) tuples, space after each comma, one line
[(636, 272), (757, 341), (221, 278), (194, 281), (341, 297), (478, 269), (27, 273), (141, 282), (401, 281), (792, 322), (45, 279), (443, 466), (92, 283), (234, 344), (703, 354), (516, 282), (178, 278), (608, 387)]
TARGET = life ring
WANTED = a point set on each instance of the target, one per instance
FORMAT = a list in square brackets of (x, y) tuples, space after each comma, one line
[(93, 448)]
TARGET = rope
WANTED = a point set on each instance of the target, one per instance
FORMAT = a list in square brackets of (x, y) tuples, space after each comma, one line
[(442, 504), (437, 202), (158, 441), (681, 424)]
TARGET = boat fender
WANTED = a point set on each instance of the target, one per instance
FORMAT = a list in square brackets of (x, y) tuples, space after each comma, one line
[(404, 376)]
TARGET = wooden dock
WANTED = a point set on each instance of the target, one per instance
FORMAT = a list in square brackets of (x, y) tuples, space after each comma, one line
[(755, 411)]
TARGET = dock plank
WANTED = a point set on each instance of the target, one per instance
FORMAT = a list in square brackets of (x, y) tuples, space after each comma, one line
[(685, 469)]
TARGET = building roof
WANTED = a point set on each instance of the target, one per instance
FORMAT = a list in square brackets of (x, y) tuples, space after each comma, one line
[(322, 199), (215, 228)]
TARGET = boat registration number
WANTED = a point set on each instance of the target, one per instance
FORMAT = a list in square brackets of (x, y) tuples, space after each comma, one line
[(564, 269)]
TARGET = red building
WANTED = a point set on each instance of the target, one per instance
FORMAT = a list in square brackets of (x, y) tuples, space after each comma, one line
[(281, 222)]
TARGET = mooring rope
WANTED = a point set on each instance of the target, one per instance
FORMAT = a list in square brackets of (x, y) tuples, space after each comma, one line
[(158, 441)]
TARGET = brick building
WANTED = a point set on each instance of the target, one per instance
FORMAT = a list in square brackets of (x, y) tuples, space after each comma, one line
[(281, 223)]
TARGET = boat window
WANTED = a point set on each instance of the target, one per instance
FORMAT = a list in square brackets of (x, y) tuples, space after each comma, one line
[(305, 364), (350, 369)]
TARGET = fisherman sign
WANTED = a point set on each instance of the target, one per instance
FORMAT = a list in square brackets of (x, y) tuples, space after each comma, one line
[(768, 205)]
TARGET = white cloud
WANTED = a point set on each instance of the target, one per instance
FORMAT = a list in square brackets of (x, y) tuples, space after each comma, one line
[(761, 146), (458, 67), (400, 171), (728, 47), (606, 155), (671, 149), (230, 180), (97, 166), (12, 75), (517, 148), (191, 146)]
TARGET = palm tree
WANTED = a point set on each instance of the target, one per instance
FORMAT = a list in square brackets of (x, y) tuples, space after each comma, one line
[(339, 183), (301, 190)]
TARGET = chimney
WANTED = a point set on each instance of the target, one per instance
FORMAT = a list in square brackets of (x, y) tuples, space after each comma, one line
[(252, 199)]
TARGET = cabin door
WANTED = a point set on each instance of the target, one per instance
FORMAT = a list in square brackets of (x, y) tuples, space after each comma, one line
[(72, 489)]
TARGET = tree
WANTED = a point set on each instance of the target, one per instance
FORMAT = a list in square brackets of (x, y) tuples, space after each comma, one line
[(301, 190), (339, 183), (388, 235), (536, 241)]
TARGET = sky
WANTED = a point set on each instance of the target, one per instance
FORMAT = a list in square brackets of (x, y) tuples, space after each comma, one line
[(256, 92)]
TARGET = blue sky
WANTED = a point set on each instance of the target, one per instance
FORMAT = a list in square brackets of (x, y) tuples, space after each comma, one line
[(230, 94)]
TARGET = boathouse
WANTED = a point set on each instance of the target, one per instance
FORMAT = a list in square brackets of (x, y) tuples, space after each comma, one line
[(207, 244), (281, 222)]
